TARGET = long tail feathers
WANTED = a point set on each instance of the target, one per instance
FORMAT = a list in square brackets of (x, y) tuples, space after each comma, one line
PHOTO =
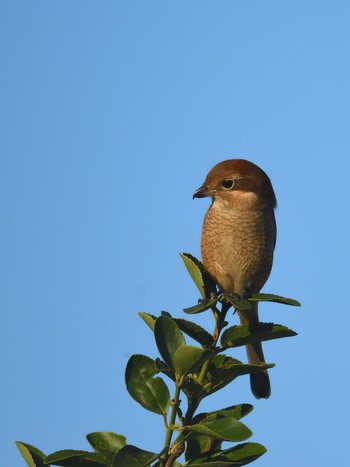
[(259, 381)]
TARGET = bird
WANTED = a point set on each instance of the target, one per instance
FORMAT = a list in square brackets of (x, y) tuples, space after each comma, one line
[(238, 241)]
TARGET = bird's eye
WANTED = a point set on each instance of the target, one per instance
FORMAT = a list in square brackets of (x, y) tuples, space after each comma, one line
[(227, 184)]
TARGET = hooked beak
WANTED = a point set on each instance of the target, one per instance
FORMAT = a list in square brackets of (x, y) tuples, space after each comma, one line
[(202, 192)]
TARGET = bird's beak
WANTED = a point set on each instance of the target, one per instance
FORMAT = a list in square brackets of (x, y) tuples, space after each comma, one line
[(202, 192)]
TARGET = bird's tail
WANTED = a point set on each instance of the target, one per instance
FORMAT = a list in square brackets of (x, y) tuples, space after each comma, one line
[(259, 381)]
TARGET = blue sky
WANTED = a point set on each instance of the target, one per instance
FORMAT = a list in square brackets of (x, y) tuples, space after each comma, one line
[(112, 115)]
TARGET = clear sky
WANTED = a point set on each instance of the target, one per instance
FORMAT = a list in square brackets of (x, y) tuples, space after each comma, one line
[(111, 115)]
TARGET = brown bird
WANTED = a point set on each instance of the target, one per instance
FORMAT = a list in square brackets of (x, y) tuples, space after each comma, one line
[(238, 241)]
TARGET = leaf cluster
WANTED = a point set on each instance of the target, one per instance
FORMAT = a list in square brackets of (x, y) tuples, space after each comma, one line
[(174, 384)]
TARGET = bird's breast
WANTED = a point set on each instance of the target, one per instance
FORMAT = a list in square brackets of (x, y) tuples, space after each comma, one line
[(237, 247)]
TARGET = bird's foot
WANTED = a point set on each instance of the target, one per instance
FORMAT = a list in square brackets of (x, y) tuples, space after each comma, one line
[(241, 296), (203, 300), (228, 297)]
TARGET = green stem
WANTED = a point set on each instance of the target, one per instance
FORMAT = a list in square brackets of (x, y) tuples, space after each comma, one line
[(193, 405), (219, 324), (219, 319), (203, 372), (169, 430)]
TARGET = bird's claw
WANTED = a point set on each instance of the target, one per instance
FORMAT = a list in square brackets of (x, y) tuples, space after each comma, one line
[(241, 296)]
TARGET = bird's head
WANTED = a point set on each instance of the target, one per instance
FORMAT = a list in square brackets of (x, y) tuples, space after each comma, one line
[(238, 179)]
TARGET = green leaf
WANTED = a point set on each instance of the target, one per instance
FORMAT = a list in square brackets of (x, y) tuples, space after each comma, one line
[(239, 455), (197, 444), (163, 368), (203, 306), (241, 304), (106, 443), (151, 393), (268, 297), (148, 319), (200, 276), (131, 456), (161, 464), (195, 331), (74, 458), (213, 464), (244, 334), (234, 411), (33, 456), (245, 453), (188, 358), (226, 429), (200, 447), (223, 370), (209, 463), (166, 313), (168, 338)]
